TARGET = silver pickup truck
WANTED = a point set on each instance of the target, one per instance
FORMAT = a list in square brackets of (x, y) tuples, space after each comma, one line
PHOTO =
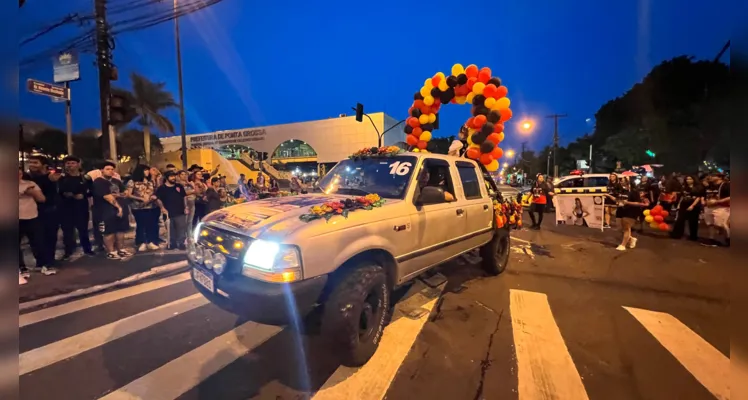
[(371, 225)]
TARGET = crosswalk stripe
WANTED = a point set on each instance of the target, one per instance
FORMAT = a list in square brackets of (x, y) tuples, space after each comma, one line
[(372, 381), (545, 367), (710, 367), (57, 311), (182, 374), (41, 357)]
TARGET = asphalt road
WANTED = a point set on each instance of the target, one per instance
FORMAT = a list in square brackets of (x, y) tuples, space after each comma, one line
[(572, 318)]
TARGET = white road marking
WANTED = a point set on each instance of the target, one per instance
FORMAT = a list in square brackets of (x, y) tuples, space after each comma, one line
[(710, 367), (78, 305), (545, 368), (372, 381), (182, 374), (41, 357)]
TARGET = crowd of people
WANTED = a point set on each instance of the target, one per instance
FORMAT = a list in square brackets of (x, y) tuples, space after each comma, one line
[(688, 198), (69, 199)]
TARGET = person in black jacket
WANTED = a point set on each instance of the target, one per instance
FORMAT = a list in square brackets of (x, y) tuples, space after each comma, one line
[(541, 193), (73, 212), (614, 187), (689, 209), (47, 180)]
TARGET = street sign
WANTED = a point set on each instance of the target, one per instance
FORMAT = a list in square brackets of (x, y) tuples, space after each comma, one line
[(66, 67), (47, 89)]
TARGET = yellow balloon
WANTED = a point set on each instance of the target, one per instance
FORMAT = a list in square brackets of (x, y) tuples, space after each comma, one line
[(424, 118), (477, 146), (428, 100), (416, 150), (472, 130), (425, 91), (424, 151), (443, 85), (460, 99), (654, 225), (469, 97), (501, 136), (503, 103), (496, 106), (440, 75), (458, 69), (432, 118), (489, 102), (425, 136), (649, 218), (493, 166), (478, 87), (646, 212), (470, 140), (427, 83)]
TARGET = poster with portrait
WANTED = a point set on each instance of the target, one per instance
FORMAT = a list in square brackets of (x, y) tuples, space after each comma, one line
[(580, 210)]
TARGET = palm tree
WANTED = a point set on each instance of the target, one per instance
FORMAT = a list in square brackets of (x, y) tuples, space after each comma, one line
[(148, 99)]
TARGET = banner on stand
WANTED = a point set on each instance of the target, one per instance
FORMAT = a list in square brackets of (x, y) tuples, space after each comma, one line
[(580, 209)]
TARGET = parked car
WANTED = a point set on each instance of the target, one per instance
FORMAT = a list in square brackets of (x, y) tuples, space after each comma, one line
[(274, 260)]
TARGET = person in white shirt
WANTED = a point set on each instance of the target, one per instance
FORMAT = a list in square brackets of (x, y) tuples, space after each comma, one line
[(29, 226)]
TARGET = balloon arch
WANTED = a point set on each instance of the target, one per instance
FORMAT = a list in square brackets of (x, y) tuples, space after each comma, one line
[(485, 129)]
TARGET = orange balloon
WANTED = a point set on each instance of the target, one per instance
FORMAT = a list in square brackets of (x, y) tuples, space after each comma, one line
[(470, 122), (490, 90), (506, 114), (484, 75), (486, 159), (417, 131), (497, 153), (473, 153), (435, 80), (422, 144), (411, 140), (418, 104), (664, 214), (494, 137), (479, 121), (470, 83), (412, 121), (498, 127), (664, 227), (658, 218), (502, 91), (471, 71)]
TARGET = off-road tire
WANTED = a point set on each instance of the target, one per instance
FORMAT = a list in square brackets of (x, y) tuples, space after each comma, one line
[(342, 315), (495, 254)]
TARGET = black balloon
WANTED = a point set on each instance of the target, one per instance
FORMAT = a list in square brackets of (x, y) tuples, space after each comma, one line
[(417, 96), (479, 99), (416, 112), (487, 146), (451, 81), (478, 138), (493, 116), (487, 128), (482, 110), (462, 79), (495, 81), (427, 127), (436, 93), (408, 129)]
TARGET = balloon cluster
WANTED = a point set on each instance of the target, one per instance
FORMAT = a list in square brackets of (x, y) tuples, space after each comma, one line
[(465, 85), (656, 218)]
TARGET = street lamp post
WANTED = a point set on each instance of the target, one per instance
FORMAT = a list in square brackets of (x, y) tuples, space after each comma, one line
[(182, 124)]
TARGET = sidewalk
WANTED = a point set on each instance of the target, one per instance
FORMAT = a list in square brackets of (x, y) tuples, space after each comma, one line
[(658, 263)]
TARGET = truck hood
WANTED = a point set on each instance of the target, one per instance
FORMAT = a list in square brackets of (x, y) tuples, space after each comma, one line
[(276, 218)]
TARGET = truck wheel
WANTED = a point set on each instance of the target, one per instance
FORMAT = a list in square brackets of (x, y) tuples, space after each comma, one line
[(495, 254), (355, 314)]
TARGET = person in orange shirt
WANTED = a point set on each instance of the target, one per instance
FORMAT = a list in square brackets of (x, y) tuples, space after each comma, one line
[(541, 190)]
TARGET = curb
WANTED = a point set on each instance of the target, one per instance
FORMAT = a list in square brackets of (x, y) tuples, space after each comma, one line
[(161, 270)]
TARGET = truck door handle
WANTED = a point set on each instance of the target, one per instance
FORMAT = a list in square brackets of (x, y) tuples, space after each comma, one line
[(485, 206), (460, 211), (399, 228)]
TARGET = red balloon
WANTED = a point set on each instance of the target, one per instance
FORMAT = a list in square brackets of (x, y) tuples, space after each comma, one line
[(486, 158), (494, 137), (435, 80), (412, 121), (490, 90), (664, 227), (470, 122), (664, 214), (471, 71), (453, 101), (657, 210), (417, 131), (497, 153), (498, 127), (411, 140), (425, 109), (658, 218), (418, 104), (484, 75), (502, 91), (473, 153), (479, 121), (506, 114), (471, 82), (422, 145), (462, 90)]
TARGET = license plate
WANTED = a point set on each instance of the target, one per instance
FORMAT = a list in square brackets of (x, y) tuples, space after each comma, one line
[(206, 280)]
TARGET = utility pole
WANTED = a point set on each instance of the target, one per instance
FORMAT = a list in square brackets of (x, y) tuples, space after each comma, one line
[(555, 140), (182, 123), (722, 52), (104, 62)]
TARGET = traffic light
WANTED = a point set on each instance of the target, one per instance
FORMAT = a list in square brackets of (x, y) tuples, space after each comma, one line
[(650, 153), (359, 112), (119, 108)]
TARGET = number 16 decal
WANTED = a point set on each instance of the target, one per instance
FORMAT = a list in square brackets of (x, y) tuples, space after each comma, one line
[(400, 168)]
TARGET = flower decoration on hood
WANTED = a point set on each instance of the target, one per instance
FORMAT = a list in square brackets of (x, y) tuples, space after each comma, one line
[(372, 152), (331, 208)]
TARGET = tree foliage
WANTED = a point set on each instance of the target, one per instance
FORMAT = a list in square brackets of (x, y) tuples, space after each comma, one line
[(50, 141), (131, 143)]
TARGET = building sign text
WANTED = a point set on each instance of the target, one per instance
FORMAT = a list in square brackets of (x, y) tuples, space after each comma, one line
[(225, 138)]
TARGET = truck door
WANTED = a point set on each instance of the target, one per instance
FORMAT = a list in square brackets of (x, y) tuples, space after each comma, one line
[(476, 204)]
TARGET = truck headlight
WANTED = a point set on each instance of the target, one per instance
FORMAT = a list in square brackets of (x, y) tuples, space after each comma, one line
[(272, 262)]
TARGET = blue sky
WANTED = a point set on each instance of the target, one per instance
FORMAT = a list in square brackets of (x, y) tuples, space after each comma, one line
[(251, 63)]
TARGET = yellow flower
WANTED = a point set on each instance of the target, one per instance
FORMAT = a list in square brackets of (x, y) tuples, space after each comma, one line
[(327, 208), (372, 197)]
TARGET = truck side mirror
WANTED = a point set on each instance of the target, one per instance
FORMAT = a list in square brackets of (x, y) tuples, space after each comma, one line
[(431, 195)]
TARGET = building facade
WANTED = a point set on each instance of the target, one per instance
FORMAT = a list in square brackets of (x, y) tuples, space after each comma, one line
[(324, 141)]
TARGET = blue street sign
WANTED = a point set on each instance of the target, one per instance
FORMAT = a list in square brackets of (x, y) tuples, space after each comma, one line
[(66, 67)]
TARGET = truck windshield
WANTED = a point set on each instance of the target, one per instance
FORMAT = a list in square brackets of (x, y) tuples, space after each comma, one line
[(387, 177)]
